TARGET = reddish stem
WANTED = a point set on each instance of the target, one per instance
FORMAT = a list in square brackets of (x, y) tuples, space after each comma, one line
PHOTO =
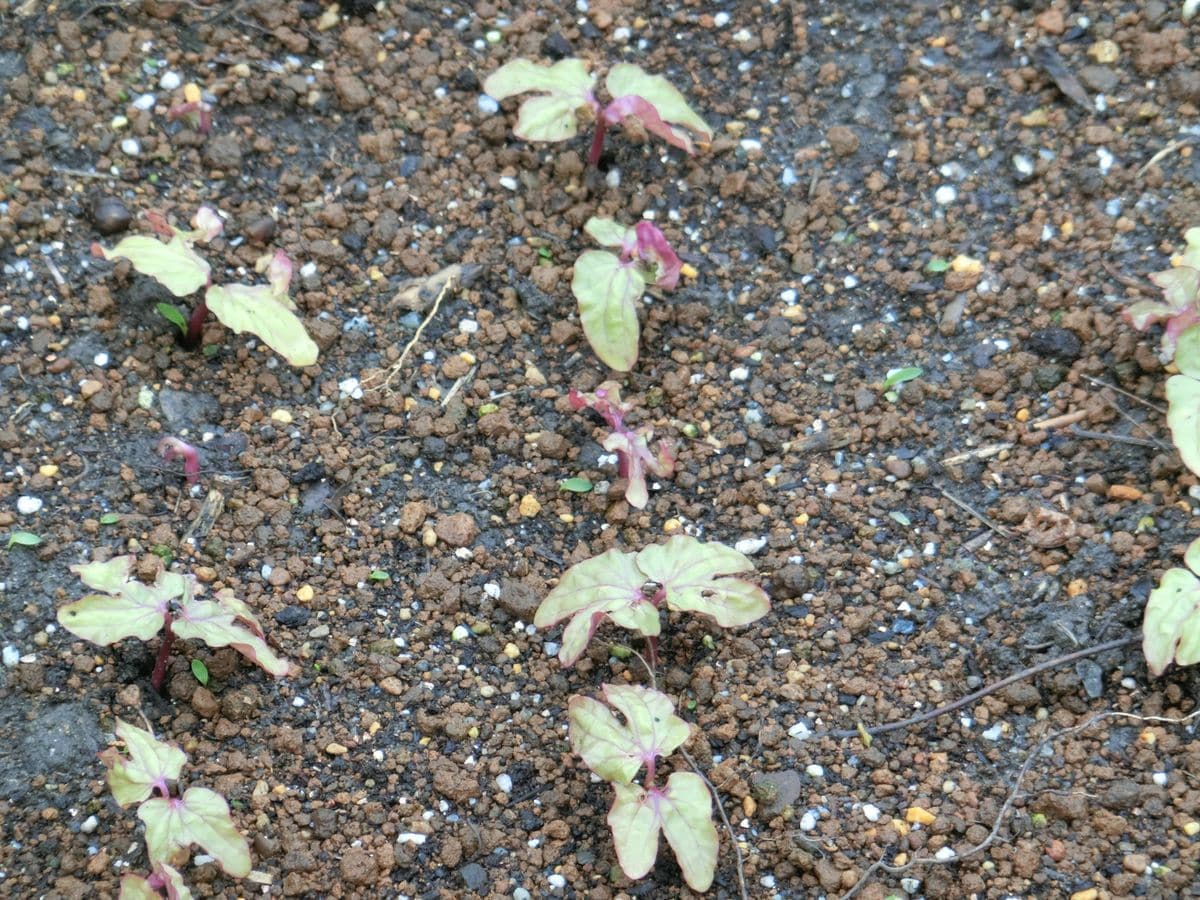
[(597, 141), (158, 678), (195, 330), (652, 652)]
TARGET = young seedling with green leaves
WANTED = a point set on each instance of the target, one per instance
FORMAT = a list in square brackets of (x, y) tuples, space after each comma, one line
[(1171, 627), (147, 774), (608, 285), (634, 457), (565, 93), (1179, 309), (617, 751), (127, 607), (264, 310), (631, 589)]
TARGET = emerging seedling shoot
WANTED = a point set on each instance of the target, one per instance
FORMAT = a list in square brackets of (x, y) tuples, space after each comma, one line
[(565, 92), (632, 446), (174, 821), (617, 751), (127, 607), (608, 285), (264, 310)]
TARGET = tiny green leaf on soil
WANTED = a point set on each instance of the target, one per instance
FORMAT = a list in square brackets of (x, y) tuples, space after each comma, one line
[(575, 485), (937, 265), (110, 519), (171, 313), (899, 376), (23, 539), (378, 575), (200, 670), (900, 517)]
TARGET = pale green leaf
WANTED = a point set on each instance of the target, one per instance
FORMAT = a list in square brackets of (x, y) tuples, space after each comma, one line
[(135, 887), (1187, 352), (610, 233), (149, 763), (175, 265), (690, 572), (616, 751), (607, 291), (900, 376), (1191, 256), (1180, 285), (575, 485), (200, 817), (686, 813), (547, 118), (226, 623), (1171, 627), (109, 576), (200, 671), (1183, 417), (104, 619), (683, 811), (608, 585), (567, 77), (626, 79), (266, 314)]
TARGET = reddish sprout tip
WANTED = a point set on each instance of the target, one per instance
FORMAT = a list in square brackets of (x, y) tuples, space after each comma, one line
[(172, 448)]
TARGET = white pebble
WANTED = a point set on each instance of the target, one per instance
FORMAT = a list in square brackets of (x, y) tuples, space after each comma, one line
[(800, 731), (741, 373), (742, 35), (850, 281), (504, 782), (557, 881), (170, 81), (11, 656), (814, 771), (460, 633), (468, 326), (90, 824), (1023, 164), (1160, 778), (487, 105), (945, 195), (750, 546), (750, 145), (788, 296), (993, 733), (27, 506), (767, 881), (1106, 160), (721, 19), (613, 178), (871, 812), (808, 821), (621, 35), (507, 181), (297, 702), (308, 270), (100, 359), (411, 837), (944, 854), (351, 388), (551, 648), (130, 147), (521, 894), (144, 102)]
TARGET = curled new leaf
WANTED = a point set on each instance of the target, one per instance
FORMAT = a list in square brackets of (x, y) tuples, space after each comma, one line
[(227, 622), (663, 110), (683, 574), (1171, 628)]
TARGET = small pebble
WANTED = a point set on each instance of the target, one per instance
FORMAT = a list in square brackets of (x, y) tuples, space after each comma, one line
[(335, 749), (551, 648), (945, 195), (558, 882), (10, 655), (411, 837), (110, 215), (1160, 778), (871, 812), (504, 782), (460, 633), (351, 388), (27, 506), (130, 147), (993, 733), (815, 771), (750, 546), (90, 824), (944, 854), (487, 105), (170, 81), (808, 821), (521, 894)]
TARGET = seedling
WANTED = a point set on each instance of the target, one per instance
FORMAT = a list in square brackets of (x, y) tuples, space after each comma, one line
[(1183, 398), (193, 108), (617, 752), (22, 539), (683, 575), (172, 448), (609, 285), (634, 456), (200, 671), (1180, 306), (130, 608), (264, 310), (565, 93), (174, 822), (1171, 627)]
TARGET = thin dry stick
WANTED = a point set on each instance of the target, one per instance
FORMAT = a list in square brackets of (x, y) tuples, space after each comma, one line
[(1164, 152), (999, 529), (978, 453), (984, 691), (1061, 421), (1012, 796), (393, 371), (1115, 438), (1134, 397)]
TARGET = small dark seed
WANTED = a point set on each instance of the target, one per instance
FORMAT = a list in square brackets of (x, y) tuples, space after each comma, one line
[(110, 215), (260, 230)]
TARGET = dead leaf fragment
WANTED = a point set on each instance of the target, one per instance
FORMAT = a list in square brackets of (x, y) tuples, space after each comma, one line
[(418, 294), (1046, 528)]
